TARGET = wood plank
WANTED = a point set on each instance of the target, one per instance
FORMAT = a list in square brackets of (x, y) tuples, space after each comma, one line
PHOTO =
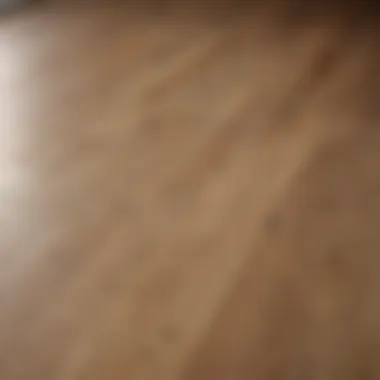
[(185, 194)]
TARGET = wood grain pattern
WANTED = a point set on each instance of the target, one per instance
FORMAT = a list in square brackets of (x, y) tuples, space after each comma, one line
[(188, 192)]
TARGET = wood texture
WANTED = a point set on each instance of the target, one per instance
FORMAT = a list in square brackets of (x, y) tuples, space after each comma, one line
[(189, 192)]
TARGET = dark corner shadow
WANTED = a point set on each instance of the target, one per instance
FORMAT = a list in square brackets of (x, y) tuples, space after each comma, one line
[(288, 12)]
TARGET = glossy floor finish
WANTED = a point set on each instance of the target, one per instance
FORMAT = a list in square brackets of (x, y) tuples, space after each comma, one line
[(188, 194)]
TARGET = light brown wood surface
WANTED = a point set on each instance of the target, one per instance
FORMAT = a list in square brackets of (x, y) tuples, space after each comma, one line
[(188, 193)]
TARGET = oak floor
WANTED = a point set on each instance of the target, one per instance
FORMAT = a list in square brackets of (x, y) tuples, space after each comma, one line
[(189, 192)]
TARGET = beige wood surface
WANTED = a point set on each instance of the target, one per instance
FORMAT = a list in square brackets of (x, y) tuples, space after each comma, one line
[(188, 193)]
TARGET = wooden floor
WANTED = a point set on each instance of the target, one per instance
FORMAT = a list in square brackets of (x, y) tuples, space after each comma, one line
[(189, 193)]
